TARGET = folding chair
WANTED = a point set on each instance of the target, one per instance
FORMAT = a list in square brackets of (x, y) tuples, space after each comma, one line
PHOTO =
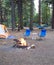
[(27, 33), (42, 33)]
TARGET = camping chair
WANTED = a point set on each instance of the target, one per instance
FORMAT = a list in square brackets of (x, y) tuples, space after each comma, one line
[(42, 34), (27, 33)]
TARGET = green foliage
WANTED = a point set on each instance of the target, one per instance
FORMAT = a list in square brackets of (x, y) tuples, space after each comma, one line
[(36, 18), (45, 12), (46, 16)]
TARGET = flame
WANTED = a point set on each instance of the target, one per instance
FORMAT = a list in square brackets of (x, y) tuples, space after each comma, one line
[(23, 42)]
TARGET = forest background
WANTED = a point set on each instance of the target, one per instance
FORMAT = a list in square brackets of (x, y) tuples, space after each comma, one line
[(23, 13)]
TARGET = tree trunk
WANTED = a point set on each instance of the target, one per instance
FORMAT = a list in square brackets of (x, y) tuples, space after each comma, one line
[(53, 16), (0, 12), (31, 15), (20, 15), (13, 14), (40, 15)]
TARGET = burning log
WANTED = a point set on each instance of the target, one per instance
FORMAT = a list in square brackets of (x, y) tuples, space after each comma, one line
[(20, 43)]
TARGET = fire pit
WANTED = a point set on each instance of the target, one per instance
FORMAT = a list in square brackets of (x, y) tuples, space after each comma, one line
[(20, 43)]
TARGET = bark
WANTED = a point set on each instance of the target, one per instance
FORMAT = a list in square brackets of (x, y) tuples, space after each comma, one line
[(53, 16), (40, 12), (0, 12), (13, 14), (31, 15), (20, 15)]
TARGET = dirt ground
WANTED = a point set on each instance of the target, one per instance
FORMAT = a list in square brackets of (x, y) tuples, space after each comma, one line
[(42, 54)]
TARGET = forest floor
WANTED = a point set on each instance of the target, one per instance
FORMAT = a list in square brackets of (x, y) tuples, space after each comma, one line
[(42, 54)]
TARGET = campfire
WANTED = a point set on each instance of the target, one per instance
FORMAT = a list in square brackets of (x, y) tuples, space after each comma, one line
[(21, 43)]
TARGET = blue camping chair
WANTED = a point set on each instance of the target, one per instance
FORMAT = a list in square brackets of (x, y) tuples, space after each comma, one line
[(42, 33), (27, 33)]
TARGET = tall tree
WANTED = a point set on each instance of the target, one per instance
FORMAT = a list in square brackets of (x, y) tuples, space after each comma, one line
[(53, 15), (31, 15), (45, 12), (51, 2), (20, 15), (40, 12), (0, 11), (13, 14), (26, 12)]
